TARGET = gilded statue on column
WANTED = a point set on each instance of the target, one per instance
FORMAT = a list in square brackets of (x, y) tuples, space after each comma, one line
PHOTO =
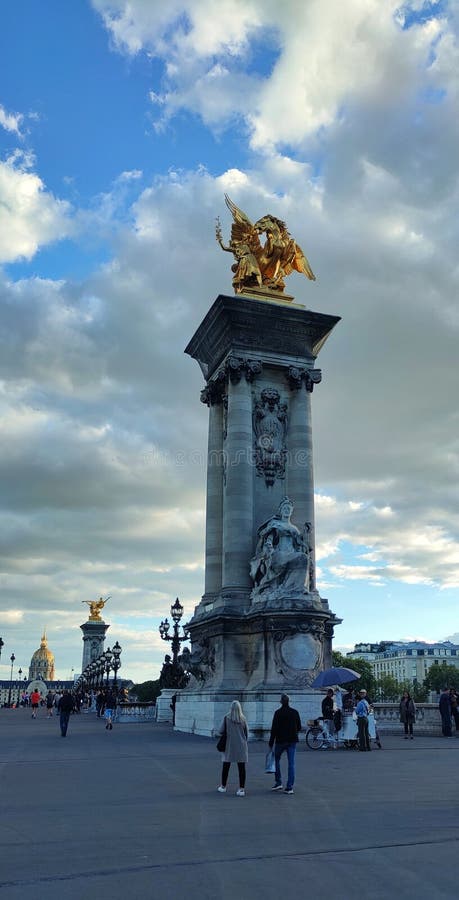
[(257, 266), (95, 609)]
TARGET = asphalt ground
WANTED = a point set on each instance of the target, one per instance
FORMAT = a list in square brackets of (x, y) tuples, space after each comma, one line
[(134, 813)]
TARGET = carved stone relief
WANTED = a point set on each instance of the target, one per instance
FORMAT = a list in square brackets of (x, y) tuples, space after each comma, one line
[(270, 423), (298, 651), (201, 663)]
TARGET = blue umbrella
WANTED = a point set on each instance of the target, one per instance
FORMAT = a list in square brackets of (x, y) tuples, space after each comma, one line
[(338, 675)]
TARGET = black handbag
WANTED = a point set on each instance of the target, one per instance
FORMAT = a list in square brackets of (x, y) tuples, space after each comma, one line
[(221, 745)]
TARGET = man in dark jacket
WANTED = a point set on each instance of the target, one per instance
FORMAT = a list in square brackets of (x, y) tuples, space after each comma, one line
[(284, 733), (445, 712), (65, 707)]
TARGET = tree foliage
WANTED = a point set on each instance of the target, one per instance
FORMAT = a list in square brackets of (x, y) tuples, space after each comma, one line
[(439, 677), (366, 680), (147, 691), (388, 689)]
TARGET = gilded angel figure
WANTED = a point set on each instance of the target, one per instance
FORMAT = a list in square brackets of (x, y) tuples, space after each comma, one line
[(257, 265)]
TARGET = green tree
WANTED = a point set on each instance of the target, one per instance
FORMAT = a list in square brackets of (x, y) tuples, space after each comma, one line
[(147, 691), (439, 677), (419, 692), (389, 689), (363, 667)]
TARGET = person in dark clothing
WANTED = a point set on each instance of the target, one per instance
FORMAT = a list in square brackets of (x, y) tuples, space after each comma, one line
[(445, 712), (407, 713), (328, 717), (100, 702), (454, 700), (172, 705), (285, 727), (65, 707)]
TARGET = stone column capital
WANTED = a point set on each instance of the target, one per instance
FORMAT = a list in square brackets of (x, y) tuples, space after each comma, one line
[(214, 390), (309, 377), (235, 367)]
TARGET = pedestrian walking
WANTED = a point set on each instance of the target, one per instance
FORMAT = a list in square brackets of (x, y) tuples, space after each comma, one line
[(234, 726), (35, 701), (110, 708), (285, 728), (65, 707), (100, 700), (49, 704), (407, 714), (362, 711), (445, 712)]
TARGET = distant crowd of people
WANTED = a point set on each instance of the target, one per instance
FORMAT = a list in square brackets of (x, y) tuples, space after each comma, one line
[(67, 702)]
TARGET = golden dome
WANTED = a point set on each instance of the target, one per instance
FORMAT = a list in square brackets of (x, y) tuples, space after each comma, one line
[(42, 662), (43, 652)]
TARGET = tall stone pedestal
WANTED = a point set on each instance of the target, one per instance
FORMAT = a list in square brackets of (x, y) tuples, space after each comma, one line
[(261, 627), (93, 641)]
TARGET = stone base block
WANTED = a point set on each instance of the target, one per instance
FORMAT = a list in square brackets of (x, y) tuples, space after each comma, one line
[(201, 712), (163, 705)]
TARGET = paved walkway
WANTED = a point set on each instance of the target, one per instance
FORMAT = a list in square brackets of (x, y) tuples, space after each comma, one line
[(134, 813)]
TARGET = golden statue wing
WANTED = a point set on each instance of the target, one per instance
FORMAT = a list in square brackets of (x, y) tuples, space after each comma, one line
[(242, 229), (297, 261)]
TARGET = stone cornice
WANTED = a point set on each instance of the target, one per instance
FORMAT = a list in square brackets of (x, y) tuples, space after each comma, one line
[(246, 326)]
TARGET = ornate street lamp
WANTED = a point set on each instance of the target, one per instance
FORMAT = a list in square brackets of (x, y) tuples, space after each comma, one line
[(12, 658), (19, 688), (116, 664), (102, 661), (108, 663), (176, 639)]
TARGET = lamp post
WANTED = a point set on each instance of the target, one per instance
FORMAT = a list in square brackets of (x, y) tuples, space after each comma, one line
[(2, 644), (175, 671), (101, 669), (175, 638), (19, 688), (108, 663), (12, 658), (116, 664)]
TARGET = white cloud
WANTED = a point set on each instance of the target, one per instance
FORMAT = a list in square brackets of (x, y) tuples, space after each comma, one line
[(104, 468), (326, 59), (11, 122), (30, 216)]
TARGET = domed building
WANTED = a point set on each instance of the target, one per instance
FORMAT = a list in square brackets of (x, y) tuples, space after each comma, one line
[(42, 662)]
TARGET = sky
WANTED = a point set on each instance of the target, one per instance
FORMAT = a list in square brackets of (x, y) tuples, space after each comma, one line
[(122, 125)]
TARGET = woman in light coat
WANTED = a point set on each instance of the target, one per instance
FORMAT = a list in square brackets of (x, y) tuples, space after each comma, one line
[(236, 749)]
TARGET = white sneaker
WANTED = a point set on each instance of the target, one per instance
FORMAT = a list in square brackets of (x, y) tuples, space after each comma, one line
[(221, 789), (240, 792)]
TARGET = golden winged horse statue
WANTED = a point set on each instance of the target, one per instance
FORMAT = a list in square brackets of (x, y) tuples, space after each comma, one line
[(260, 266)]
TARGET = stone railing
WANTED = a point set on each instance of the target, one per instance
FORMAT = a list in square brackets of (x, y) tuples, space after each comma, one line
[(427, 718), (135, 712)]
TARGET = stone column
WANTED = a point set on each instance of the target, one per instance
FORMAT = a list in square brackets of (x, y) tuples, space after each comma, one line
[(238, 488), (214, 503), (93, 641), (300, 469)]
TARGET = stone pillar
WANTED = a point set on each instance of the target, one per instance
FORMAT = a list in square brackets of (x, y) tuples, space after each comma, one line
[(214, 504), (238, 487), (300, 478), (93, 641)]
